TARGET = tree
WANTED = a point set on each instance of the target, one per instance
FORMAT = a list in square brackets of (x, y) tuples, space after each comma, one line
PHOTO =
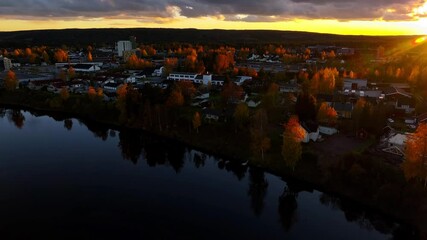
[(64, 94), (260, 142), (89, 57), (327, 114), (305, 107), (292, 137), (415, 163), (176, 99), (241, 115), (61, 55), (91, 93), (196, 121), (10, 81)]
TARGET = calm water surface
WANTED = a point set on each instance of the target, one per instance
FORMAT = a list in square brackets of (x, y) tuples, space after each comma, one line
[(66, 179)]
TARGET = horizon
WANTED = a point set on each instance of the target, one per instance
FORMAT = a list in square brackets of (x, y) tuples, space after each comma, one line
[(361, 17)]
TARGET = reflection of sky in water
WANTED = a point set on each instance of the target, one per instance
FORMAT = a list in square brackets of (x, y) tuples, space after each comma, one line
[(54, 181)]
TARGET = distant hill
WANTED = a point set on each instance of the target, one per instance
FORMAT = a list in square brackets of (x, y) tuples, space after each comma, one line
[(152, 35)]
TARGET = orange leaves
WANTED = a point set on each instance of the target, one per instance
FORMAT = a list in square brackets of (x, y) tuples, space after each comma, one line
[(64, 94), (294, 130), (176, 99), (415, 164), (136, 63), (122, 91), (327, 114), (197, 122), (292, 137), (61, 55), (89, 57), (91, 92), (10, 81)]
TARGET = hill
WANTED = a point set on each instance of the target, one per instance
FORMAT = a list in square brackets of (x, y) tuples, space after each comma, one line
[(152, 35)]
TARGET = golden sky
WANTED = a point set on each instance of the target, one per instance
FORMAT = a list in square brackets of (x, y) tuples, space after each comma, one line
[(356, 17)]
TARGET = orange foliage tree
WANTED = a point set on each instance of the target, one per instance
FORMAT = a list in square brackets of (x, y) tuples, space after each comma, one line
[(197, 122), (10, 81), (61, 55), (260, 142), (65, 95), (415, 163), (136, 63), (292, 137), (327, 115)]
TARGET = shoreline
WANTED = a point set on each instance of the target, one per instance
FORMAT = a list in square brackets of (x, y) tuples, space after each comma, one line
[(309, 175)]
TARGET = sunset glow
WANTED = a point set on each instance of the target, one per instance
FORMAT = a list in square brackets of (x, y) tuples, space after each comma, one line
[(408, 17)]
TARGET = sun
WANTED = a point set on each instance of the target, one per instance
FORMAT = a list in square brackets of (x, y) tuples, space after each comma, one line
[(420, 40)]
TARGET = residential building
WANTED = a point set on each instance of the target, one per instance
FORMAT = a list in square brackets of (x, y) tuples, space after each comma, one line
[(5, 64), (123, 46)]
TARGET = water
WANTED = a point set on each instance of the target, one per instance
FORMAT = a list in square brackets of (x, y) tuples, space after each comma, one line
[(69, 180)]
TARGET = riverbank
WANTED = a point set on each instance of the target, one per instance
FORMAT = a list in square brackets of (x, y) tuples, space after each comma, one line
[(354, 175)]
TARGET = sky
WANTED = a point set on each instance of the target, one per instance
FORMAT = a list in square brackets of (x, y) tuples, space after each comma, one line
[(356, 17)]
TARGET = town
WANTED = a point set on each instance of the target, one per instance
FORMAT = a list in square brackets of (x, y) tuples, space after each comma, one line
[(214, 81), (350, 119)]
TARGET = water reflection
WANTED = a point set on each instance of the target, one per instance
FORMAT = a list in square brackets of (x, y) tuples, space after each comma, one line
[(16, 117), (368, 219), (136, 147), (258, 186), (68, 124)]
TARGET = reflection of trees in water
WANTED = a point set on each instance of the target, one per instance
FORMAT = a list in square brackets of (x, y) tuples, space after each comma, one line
[(2, 112), (233, 166), (368, 219), (257, 191), (199, 159), (97, 129), (131, 144), (288, 205), (68, 124), (16, 117)]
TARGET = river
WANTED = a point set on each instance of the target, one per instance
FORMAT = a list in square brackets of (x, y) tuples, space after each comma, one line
[(65, 179)]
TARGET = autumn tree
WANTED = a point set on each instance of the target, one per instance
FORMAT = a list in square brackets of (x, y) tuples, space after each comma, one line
[(260, 142), (91, 93), (415, 163), (231, 92), (175, 99), (292, 137), (241, 115), (327, 114), (197, 122), (64, 94), (89, 57), (10, 81), (61, 55)]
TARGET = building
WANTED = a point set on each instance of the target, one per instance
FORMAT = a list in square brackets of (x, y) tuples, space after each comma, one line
[(5, 64), (123, 46), (355, 84), (86, 68), (196, 78)]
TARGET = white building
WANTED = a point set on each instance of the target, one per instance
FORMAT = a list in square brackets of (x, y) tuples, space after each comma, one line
[(123, 46), (5, 64)]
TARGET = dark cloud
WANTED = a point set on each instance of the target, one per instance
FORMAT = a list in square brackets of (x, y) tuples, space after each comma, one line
[(241, 10)]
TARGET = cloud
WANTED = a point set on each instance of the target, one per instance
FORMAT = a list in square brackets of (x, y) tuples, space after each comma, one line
[(234, 10)]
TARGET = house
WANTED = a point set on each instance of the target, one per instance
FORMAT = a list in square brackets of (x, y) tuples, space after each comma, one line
[(395, 143), (400, 98), (327, 130), (253, 103), (211, 114), (197, 78), (86, 67), (289, 88), (355, 84), (111, 86), (311, 130), (344, 110), (241, 79)]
